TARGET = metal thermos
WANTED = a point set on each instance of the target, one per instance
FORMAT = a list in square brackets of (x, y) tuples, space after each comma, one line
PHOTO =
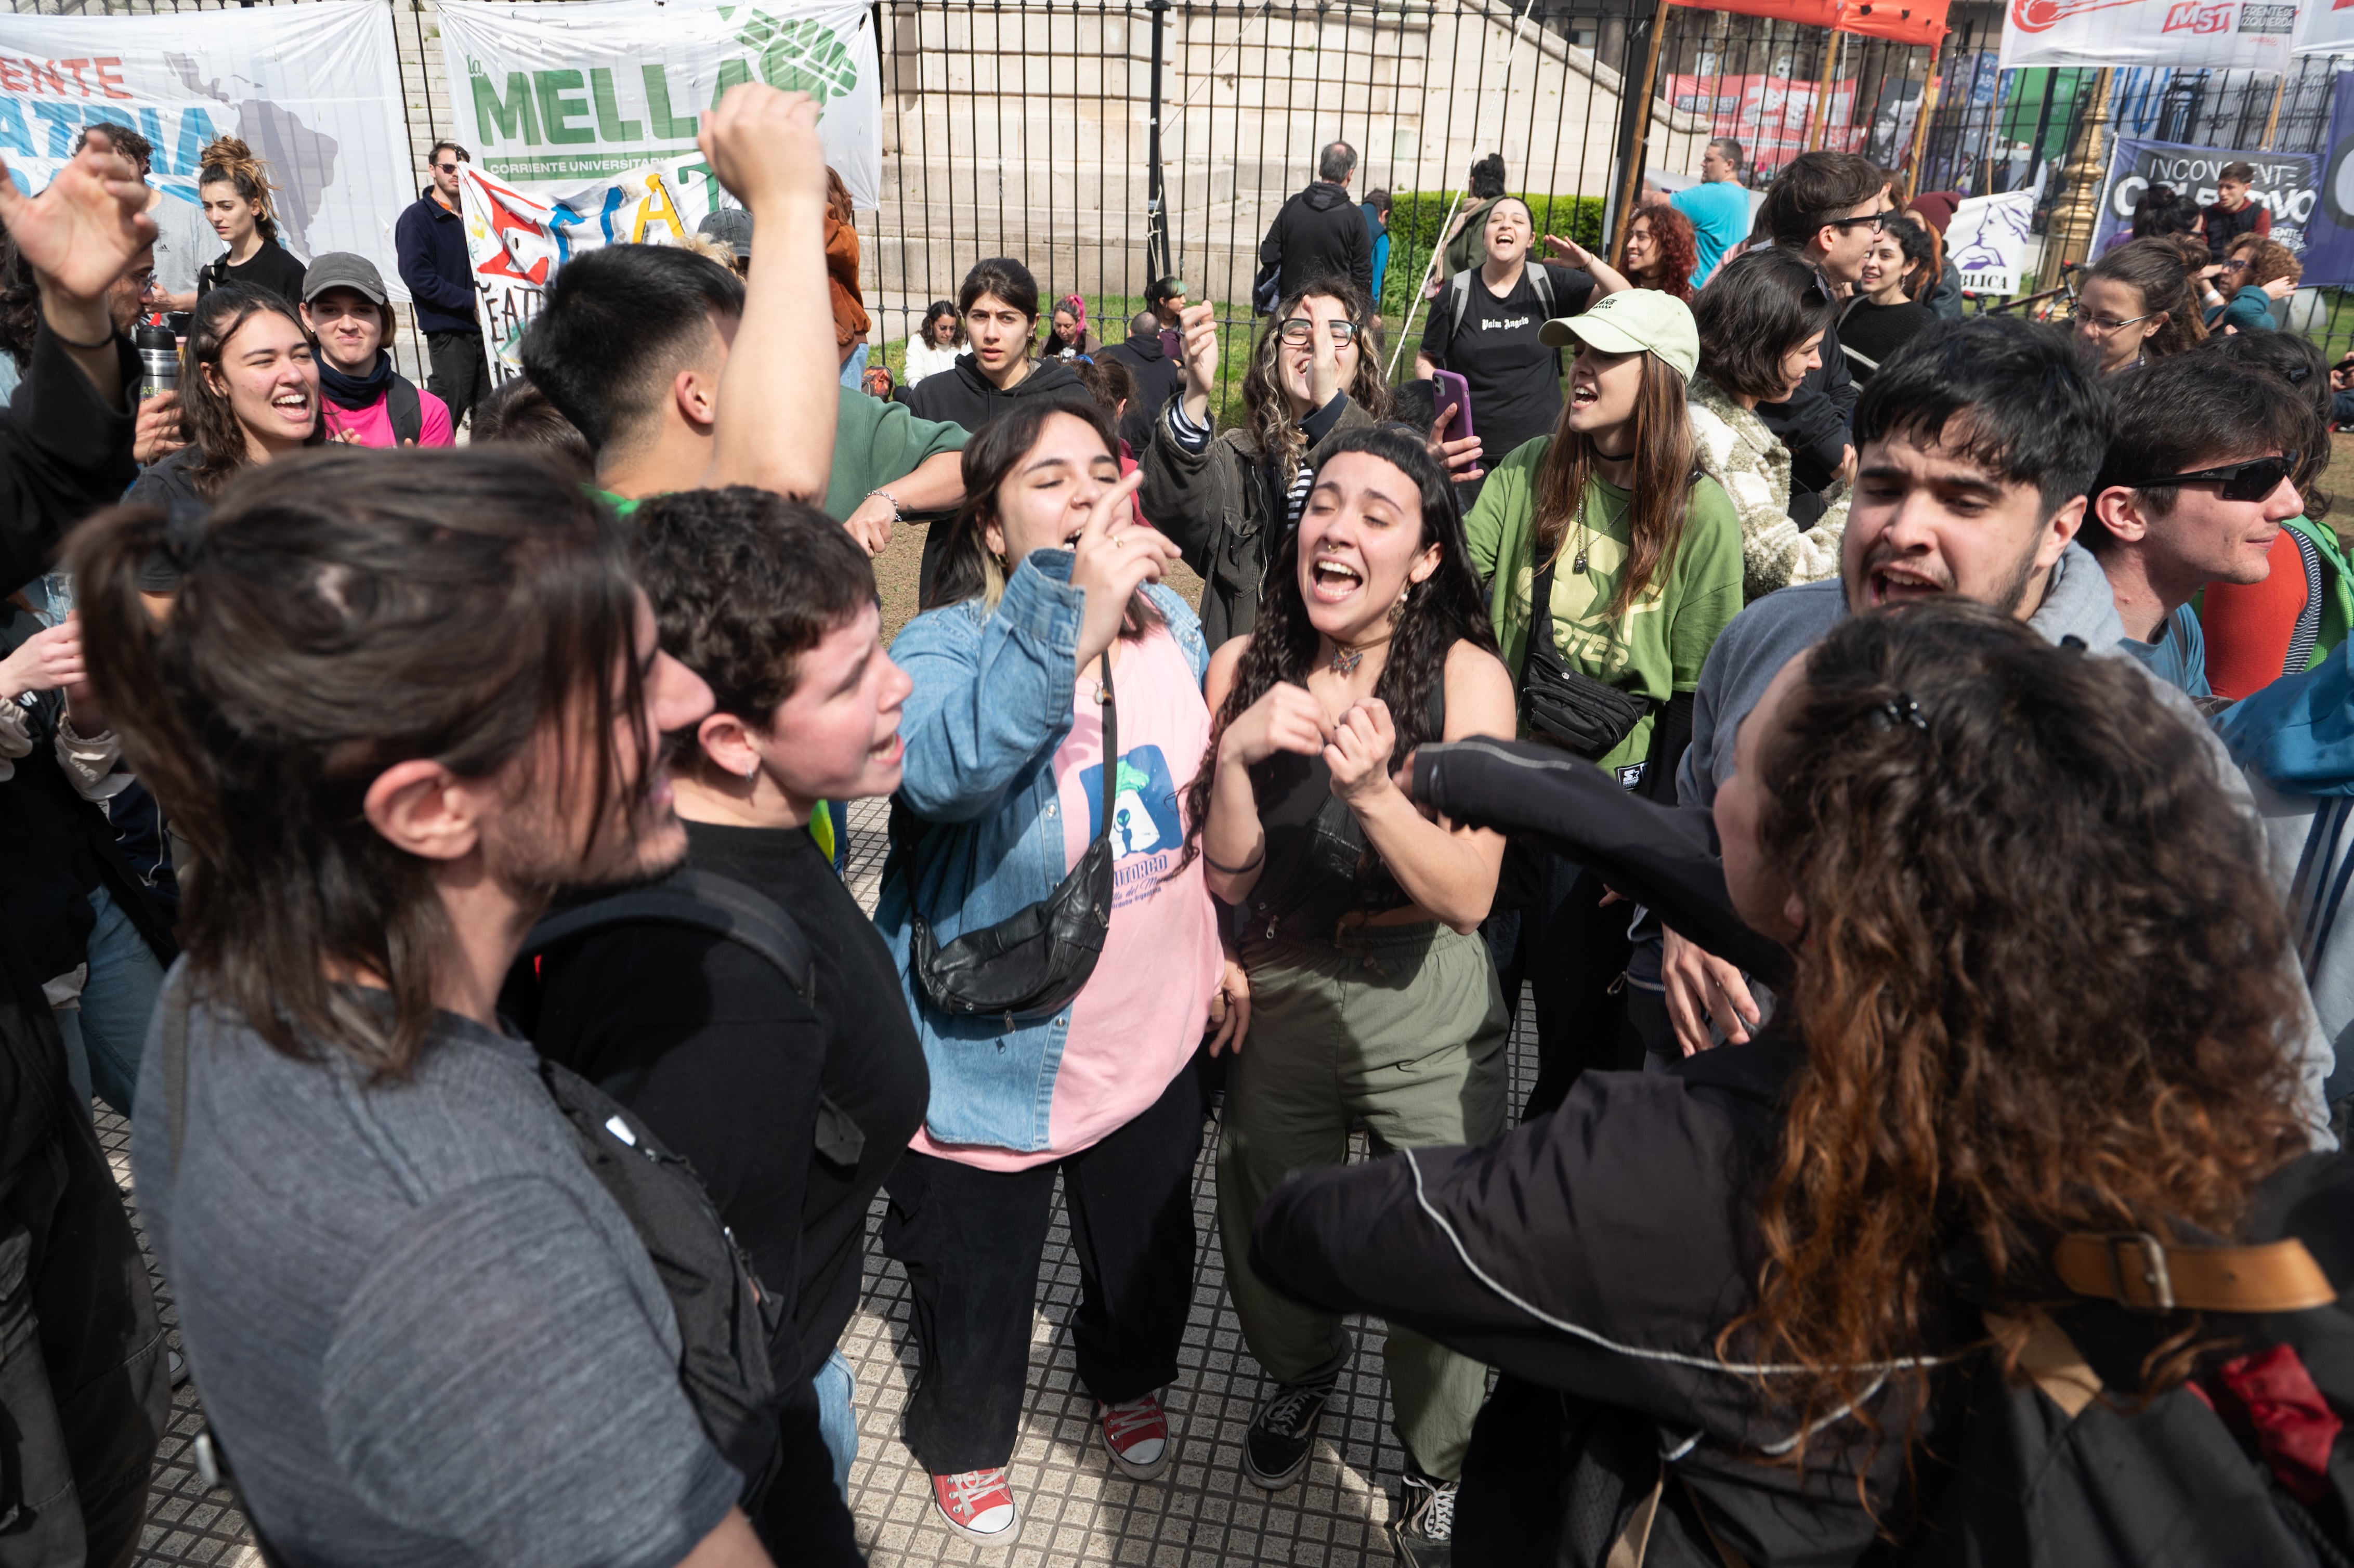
[(159, 359)]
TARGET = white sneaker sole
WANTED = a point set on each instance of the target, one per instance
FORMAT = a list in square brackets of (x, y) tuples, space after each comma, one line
[(1006, 1537), (1129, 1467)]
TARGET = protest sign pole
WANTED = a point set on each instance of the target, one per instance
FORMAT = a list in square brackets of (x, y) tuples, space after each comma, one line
[(2272, 121), (1631, 175), (1921, 122), (1823, 90)]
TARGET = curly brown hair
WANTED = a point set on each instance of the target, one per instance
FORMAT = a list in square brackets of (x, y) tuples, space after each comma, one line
[(2043, 989), (2268, 259), (1679, 245), (1266, 413), (227, 161)]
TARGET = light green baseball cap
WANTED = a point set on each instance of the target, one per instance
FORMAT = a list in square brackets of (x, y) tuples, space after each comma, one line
[(1629, 321)]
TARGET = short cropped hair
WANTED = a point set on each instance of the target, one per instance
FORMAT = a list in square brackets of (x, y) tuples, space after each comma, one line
[(743, 582), (1732, 149), (1338, 162), (517, 413), (1107, 381), (2237, 169), (2194, 411), (1816, 188), (1754, 311), (2010, 394), (127, 142), (617, 324), (434, 154)]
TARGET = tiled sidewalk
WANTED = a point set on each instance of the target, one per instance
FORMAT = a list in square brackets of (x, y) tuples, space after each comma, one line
[(1079, 1509)]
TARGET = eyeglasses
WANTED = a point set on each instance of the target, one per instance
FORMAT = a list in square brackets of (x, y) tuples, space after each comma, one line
[(447, 168), (1298, 329), (2106, 324), (1876, 220), (2249, 481)]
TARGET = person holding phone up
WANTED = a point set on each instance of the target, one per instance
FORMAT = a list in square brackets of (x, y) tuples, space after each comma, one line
[(1483, 327)]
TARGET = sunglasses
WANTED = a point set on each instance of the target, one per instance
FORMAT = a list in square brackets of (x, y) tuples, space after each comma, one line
[(2249, 481), (447, 168), (1298, 329)]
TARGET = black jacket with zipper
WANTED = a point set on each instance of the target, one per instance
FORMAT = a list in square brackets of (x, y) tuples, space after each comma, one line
[(1319, 231), (961, 394)]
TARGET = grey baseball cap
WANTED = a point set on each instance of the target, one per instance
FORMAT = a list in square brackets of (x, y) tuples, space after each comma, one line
[(342, 269), (731, 226)]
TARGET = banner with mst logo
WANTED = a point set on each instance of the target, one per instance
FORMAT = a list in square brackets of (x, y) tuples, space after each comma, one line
[(2187, 35), (554, 95), (313, 89)]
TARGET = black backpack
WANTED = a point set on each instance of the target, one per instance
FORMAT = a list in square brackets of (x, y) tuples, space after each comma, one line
[(401, 406)]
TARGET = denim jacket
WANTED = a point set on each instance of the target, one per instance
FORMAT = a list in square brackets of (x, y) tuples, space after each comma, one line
[(992, 704)]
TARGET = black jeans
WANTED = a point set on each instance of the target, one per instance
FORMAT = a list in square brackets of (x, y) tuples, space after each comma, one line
[(84, 1393), (972, 1241), (1571, 950), (460, 375)]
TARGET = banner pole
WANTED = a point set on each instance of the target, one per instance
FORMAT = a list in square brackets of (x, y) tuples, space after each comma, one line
[(1630, 178), (1823, 91), (2272, 121), (1921, 125)]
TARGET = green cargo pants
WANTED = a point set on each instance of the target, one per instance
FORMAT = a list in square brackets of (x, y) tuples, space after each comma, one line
[(1403, 1026)]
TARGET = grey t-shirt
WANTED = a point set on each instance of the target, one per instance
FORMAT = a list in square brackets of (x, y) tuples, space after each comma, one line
[(183, 242), (423, 1333)]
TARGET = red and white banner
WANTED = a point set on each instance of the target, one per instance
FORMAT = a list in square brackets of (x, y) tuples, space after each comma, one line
[(2182, 35), (1768, 115)]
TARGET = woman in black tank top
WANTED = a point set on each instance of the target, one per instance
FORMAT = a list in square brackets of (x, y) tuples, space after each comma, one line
[(1369, 997)]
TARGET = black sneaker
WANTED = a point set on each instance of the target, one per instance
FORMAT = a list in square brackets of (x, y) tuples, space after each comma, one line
[(1425, 1528), (1282, 1431)]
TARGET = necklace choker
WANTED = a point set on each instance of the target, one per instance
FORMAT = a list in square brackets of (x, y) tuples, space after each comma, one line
[(1346, 658)]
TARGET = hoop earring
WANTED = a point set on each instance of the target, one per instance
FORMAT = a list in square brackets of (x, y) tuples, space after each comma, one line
[(753, 771)]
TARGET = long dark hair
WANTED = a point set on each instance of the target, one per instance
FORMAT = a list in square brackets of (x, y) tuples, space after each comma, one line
[(967, 569), (339, 612), (1665, 456), (1988, 1065), (207, 420), (1266, 413), (933, 312), (1444, 608)]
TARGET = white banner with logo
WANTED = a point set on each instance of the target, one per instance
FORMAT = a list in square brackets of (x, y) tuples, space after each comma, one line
[(515, 239), (2326, 27), (2185, 35), (551, 95), (1986, 241), (313, 89)]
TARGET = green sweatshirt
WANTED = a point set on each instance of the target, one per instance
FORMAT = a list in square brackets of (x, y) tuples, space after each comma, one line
[(1657, 648)]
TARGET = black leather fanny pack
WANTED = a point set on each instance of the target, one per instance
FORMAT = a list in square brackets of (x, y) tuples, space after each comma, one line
[(1031, 964), (1566, 706)]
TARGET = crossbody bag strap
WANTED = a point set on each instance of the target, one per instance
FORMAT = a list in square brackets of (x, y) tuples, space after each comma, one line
[(176, 1067), (1110, 746)]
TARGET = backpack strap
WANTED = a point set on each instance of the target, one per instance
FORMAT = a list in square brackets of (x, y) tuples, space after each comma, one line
[(702, 901), (401, 406), (1459, 299), (2051, 1362)]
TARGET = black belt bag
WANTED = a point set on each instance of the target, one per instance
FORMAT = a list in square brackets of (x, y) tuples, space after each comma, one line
[(1029, 966), (1566, 706)]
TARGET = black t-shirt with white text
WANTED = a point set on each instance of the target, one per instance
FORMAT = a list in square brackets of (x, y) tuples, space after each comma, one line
[(1515, 380)]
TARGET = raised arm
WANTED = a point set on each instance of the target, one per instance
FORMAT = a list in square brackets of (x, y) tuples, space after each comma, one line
[(1447, 869), (777, 410)]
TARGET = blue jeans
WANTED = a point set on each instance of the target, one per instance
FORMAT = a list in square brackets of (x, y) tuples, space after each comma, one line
[(837, 1416), (854, 369), (124, 981)]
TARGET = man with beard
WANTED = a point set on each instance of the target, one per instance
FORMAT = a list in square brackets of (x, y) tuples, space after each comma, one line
[(401, 699)]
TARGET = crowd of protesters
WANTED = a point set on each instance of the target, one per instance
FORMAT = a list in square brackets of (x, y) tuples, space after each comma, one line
[(1901, 760)]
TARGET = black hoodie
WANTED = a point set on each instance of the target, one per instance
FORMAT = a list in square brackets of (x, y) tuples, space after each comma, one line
[(963, 396), (1157, 380), (1319, 231)]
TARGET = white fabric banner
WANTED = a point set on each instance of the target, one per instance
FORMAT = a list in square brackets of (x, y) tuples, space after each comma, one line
[(1986, 241), (313, 89), (2326, 27), (2185, 35), (515, 239), (556, 94)]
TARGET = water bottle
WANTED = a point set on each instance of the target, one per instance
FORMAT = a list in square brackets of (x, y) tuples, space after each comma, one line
[(57, 597), (159, 358)]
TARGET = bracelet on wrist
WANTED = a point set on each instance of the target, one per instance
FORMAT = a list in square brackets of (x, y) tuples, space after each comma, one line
[(895, 508)]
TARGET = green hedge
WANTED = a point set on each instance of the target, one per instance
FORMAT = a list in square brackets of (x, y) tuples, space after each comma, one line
[(1416, 219)]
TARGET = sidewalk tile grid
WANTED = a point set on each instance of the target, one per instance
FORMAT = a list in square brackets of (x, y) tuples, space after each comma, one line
[(1076, 1508)]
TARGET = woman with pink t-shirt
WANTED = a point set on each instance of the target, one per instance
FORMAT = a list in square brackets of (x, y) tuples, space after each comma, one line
[(367, 403), (1048, 613)]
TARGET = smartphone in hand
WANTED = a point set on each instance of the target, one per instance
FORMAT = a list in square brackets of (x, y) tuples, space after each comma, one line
[(1453, 392)]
